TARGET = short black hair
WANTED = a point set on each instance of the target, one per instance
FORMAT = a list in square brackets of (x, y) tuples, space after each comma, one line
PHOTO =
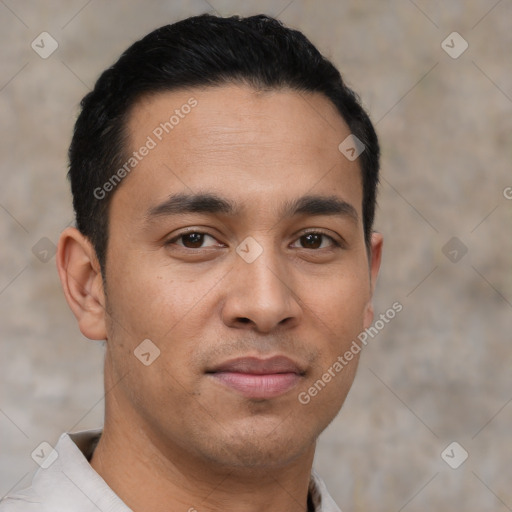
[(200, 51)]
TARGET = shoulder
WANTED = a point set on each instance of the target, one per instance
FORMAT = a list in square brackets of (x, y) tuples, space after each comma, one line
[(22, 501), (57, 483)]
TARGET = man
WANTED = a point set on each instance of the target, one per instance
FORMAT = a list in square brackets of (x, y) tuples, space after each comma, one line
[(224, 182)]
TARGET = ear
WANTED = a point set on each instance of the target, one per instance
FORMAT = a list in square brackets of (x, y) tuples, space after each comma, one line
[(374, 260), (80, 275)]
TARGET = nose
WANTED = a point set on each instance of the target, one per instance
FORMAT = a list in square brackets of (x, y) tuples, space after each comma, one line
[(260, 295)]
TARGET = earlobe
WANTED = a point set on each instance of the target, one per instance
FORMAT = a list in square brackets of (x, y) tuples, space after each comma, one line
[(81, 280), (375, 259)]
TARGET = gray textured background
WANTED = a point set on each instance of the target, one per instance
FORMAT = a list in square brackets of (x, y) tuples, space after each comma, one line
[(439, 372)]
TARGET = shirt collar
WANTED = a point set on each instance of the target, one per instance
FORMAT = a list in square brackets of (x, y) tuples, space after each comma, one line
[(70, 483)]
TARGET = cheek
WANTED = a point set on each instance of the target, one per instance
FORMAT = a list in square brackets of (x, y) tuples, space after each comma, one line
[(338, 316), (151, 300), (340, 303), (168, 306)]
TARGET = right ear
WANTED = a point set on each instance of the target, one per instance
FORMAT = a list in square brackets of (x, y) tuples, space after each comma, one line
[(80, 276)]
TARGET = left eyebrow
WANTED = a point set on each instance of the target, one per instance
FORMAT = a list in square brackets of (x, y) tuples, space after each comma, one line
[(320, 205), (312, 205)]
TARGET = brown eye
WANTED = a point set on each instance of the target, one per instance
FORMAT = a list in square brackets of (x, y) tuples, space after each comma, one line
[(316, 240), (312, 240), (193, 240)]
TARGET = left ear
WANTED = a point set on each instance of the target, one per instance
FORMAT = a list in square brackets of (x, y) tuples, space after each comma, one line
[(375, 258)]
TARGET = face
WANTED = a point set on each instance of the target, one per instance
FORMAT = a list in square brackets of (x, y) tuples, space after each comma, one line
[(236, 246)]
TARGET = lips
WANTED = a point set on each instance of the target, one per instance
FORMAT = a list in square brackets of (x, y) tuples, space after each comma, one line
[(258, 378), (256, 366)]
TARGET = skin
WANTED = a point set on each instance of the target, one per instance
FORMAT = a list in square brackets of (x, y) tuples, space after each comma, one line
[(193, 442)]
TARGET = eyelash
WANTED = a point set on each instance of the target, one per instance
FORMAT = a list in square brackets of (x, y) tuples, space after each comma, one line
[(334, 242)]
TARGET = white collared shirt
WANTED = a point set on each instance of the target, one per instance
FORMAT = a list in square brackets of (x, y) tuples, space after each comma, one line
[(66, 482)]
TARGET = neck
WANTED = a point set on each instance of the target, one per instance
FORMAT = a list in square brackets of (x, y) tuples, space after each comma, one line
[(151, 473)]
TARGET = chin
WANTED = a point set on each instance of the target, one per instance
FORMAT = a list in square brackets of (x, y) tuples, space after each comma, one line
[(252, 448)]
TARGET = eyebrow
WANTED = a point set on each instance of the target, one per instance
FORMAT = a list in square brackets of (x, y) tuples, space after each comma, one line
[(312, 205)]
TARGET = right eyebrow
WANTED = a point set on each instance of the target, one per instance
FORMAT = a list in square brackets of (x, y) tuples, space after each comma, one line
[(192, 203)]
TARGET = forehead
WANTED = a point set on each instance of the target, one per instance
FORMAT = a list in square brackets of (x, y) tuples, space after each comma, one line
[(246, 144), (241, 112)]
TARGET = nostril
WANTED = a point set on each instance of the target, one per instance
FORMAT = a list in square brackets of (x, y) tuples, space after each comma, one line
[(244, 320)]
